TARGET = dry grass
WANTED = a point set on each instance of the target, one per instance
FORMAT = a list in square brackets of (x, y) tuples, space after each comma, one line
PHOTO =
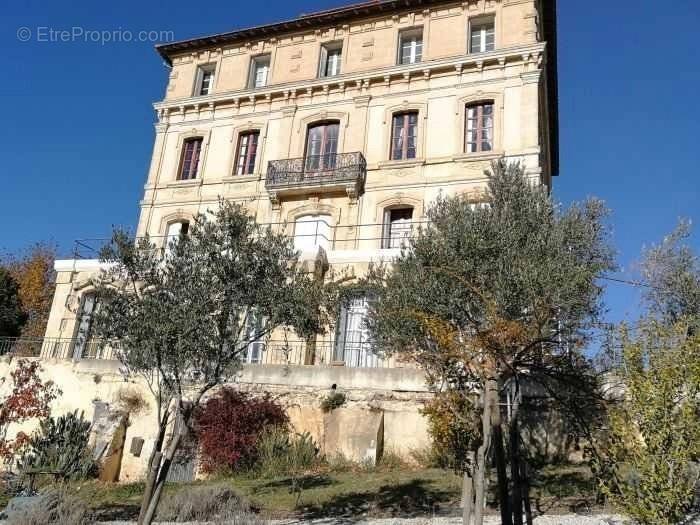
[(54, 507), (210, 503)]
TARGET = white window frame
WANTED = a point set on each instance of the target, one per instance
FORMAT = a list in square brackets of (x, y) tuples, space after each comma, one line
[(319, 234), (84, 346), (481, 25), (199, 84), (354, 346), (256, 345), (259, 63), (415, 35), (327, 50), (398, 232), (173, 232)]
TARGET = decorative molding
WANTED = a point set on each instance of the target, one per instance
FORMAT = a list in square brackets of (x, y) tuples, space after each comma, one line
[(428, 68)]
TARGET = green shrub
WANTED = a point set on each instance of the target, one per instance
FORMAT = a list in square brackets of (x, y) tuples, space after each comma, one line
[(332, 401), (54, 507), (282, 454), (61, 445), (206, 503)]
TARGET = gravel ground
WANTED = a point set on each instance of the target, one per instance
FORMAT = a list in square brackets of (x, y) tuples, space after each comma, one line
[(562, 519)]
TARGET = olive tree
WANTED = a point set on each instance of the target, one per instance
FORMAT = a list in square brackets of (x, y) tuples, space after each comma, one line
[(672, 271), (181, 318), (645, 454), (486, 299)]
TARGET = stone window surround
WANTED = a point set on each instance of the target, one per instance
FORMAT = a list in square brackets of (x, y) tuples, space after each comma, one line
[(300, 131), (422, 109), (313, 208), (460, 110), (172, 218), (191, 134), (414, 28), (250, 126), (482, 17), (201, 68), (250, 78)]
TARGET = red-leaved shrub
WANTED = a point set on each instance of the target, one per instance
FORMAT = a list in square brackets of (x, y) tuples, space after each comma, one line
[(228, 425)]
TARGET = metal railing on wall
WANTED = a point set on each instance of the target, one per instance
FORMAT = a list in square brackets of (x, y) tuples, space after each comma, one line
[(331, 236), (360, 354), (56, 348)]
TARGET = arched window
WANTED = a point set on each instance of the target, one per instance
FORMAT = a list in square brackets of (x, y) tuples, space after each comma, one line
[(397, 226), (312, 231), (478, 127), (246, 153), (189, 163), (174, 231), (322, 146), (404, 135)]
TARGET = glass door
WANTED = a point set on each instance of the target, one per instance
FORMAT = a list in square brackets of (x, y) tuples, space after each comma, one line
[(321, 147)]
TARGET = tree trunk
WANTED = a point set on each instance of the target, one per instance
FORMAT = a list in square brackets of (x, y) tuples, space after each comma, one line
[(515, 472), (499, 453), (162, 477), (467, 498), (480, 470), (526, 491), (153, 467)]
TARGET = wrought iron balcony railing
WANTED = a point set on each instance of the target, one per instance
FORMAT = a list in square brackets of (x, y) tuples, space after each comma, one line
[(352, 353), (56, 348), (344, 170)]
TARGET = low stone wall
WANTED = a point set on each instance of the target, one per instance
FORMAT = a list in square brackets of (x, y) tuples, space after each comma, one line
[(381, 412)]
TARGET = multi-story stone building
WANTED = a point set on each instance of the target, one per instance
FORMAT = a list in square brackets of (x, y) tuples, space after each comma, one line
[(341, 127)]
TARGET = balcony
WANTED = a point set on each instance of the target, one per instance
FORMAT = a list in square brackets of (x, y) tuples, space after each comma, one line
[(319, 173)]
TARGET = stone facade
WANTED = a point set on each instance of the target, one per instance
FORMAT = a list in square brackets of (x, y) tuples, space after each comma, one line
[(340, 128)]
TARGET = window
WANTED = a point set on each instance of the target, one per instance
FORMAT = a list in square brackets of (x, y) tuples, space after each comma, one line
[(205, 80), (353, 345), (85, 347), (397, 227), (312, 231), (482, 36), (479, 205), (322, 146), (191, 151), (254, 330), (246, 153), (331, 56), (173, 233), (404, 134), (411, 46), (259, 71), (478, 133)]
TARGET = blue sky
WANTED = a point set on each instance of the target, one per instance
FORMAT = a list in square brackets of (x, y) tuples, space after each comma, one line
[(76, 121)]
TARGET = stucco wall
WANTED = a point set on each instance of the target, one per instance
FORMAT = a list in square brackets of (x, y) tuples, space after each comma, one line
[(397, 393)]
